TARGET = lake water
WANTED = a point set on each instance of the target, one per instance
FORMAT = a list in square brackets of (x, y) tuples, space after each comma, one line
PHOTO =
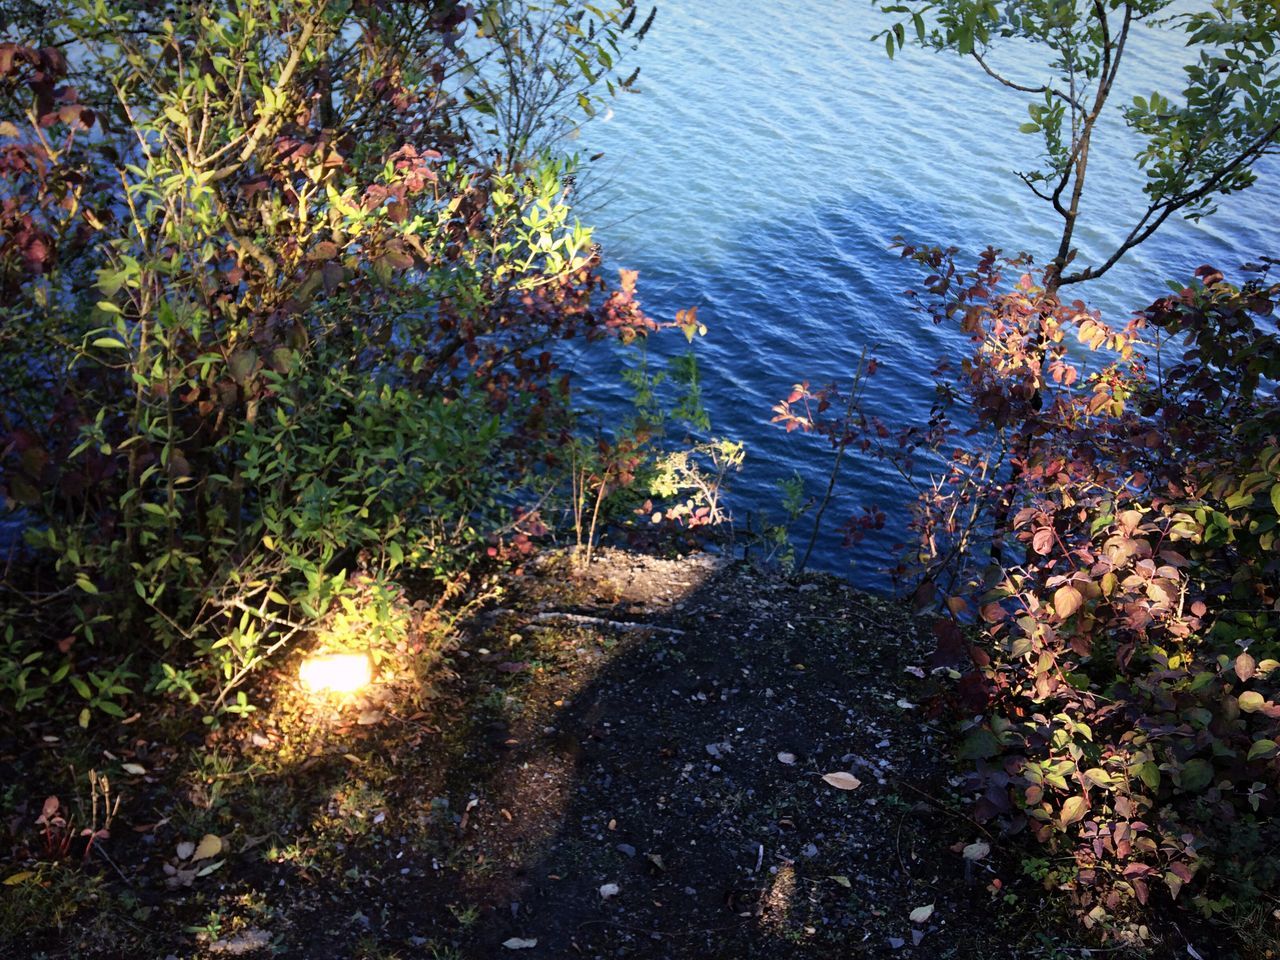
[(761, 175)]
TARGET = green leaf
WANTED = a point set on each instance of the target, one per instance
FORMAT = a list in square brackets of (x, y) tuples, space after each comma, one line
[(1275, 498), (1262, 750), (1100, 778), (1149, 773), (1196, 775), (979, 745), (109, 343)]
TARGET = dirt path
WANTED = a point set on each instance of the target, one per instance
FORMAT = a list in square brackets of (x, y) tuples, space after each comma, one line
[(684, 768)]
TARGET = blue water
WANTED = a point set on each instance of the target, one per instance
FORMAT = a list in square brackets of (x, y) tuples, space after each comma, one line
[(774, 153)]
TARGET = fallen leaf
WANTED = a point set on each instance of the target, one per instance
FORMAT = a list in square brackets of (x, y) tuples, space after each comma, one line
[(136, 769), (922, 914), (185, 849), (18, 877), (787, 758), (976, 851), (842, 781), (369, 717), (842, 880), (209, 868), (610, 890), (519, 943), (210, 846)]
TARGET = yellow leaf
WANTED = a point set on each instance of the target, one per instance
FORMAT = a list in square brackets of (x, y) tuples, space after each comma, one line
[(210, 846), (1066, 601), (1073, 810), (18, 877)]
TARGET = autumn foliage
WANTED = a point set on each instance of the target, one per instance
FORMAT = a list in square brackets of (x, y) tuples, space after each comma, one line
[(1122, 687), (1098, 529)]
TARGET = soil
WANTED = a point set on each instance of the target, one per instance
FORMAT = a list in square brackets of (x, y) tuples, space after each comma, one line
[(662, 759)]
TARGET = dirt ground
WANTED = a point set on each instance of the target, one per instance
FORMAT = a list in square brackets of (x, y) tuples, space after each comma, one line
[(664, 759)]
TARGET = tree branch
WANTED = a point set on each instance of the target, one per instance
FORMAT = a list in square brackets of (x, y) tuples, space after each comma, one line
[(1162, 209), (1052, 91), (1036, 190), (268, 115)]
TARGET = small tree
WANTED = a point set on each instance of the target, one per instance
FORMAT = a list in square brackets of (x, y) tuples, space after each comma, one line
[(1199, 142)]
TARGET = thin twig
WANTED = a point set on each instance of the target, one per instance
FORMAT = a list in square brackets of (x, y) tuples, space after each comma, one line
[(943, 807)]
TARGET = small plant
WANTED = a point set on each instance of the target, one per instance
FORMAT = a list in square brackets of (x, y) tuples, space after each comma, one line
[(57, 826), (806, 410), (682, 483), (56, 830)]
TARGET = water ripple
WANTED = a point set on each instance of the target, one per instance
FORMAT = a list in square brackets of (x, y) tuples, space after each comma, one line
[(773, 155)]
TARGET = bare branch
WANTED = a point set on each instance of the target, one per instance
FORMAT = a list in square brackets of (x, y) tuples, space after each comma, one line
[(1052, 91), (1034, 189)]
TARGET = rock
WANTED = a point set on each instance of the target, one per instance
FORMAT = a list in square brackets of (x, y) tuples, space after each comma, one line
[(246, 941)]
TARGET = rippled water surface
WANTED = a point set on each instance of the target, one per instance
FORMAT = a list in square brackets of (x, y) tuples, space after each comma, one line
[(772, 157)]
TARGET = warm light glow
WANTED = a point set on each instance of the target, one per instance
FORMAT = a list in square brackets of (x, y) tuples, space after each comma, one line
[(336, 672)]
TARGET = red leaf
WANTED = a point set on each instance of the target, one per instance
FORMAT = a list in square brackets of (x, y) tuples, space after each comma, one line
[(1246, 666)]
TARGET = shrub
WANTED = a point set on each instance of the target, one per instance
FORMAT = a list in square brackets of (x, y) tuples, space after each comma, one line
[(1123, 685), (274, 314)]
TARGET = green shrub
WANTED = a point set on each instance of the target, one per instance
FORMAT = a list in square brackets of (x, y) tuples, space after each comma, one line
[(275, 318)]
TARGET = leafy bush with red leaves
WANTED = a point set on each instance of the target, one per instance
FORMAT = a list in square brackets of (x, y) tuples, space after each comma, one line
[(1101, 532), (1122, 692)]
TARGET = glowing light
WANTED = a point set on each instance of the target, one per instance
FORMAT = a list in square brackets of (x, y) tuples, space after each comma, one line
[(336, 672)]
